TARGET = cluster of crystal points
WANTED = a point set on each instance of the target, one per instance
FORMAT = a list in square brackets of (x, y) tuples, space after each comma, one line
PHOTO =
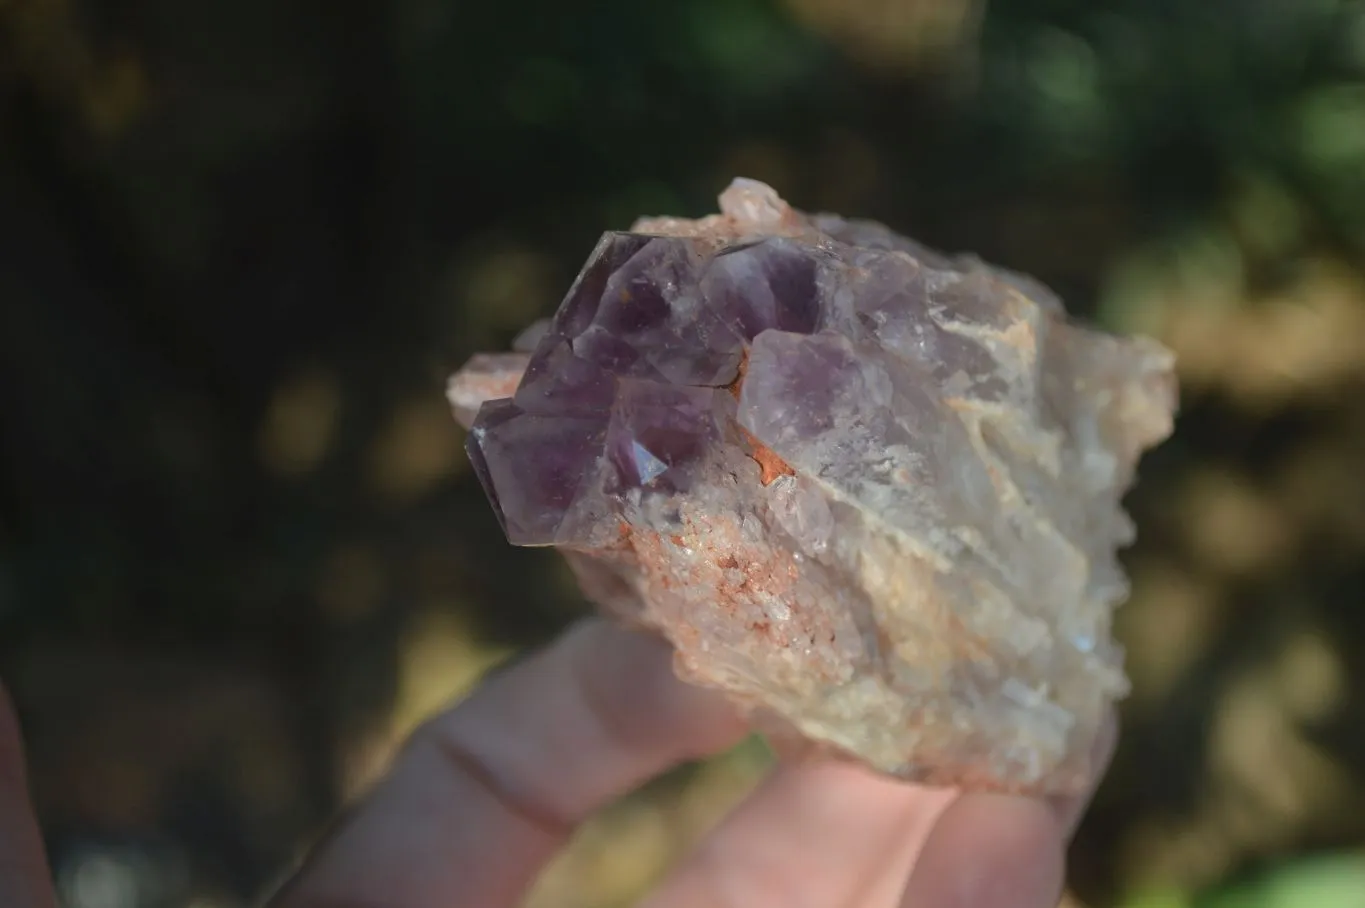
[(869, 491)]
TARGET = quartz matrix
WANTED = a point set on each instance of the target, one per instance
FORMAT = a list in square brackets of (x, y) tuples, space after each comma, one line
[(869, 491)]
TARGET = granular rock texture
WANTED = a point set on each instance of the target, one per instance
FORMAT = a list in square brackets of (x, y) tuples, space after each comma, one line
[(869, 491)]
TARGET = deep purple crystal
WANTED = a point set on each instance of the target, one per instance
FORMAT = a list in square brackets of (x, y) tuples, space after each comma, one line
[(580, 306), (557, 380), (657, 431), (768, 284), (654, 304), (533, 466), (630, 368)]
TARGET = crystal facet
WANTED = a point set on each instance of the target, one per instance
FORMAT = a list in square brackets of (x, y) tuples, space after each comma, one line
[(870, 491)]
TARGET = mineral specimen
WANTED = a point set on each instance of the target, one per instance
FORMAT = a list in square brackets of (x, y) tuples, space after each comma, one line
[(869, 491)]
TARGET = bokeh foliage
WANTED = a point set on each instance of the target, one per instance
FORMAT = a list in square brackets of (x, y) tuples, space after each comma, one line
[(243, 243)]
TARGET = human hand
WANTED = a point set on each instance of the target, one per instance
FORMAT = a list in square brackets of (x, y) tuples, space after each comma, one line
[(485, 794)]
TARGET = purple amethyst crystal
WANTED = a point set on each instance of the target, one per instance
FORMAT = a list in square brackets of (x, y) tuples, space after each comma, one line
[(534, 466), (869, 491), (657, 431), (769, 284)]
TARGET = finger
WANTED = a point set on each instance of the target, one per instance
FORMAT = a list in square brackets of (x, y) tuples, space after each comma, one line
[(811, 835), (484, 795), (1046, 845), (990, 851), (885, 885), (1069, 810), (24, 880)]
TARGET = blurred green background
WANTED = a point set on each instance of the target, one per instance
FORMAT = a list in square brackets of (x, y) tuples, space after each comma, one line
[(242, 243)]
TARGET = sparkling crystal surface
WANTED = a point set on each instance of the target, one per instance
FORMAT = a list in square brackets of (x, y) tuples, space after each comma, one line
[(870, 491)]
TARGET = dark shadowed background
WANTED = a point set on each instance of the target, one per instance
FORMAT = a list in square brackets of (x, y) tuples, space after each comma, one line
[(242, 243)]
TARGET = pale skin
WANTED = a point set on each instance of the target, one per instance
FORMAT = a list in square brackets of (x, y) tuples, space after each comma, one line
[(485, 794)]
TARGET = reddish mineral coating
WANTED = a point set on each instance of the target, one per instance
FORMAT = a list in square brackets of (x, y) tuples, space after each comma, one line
[(770, 465)]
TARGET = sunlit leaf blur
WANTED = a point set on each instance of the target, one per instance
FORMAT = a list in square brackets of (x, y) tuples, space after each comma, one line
[(241, 554)]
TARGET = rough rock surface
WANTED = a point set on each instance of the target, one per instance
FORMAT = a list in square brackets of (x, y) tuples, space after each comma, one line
[(870, 491)]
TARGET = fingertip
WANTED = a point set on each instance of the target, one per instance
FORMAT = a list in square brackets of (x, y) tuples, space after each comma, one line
[(812, 833), (990, 851)]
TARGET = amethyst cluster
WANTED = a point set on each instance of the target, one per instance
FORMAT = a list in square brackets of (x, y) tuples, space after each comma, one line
[(632, 373), (869, 491)]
